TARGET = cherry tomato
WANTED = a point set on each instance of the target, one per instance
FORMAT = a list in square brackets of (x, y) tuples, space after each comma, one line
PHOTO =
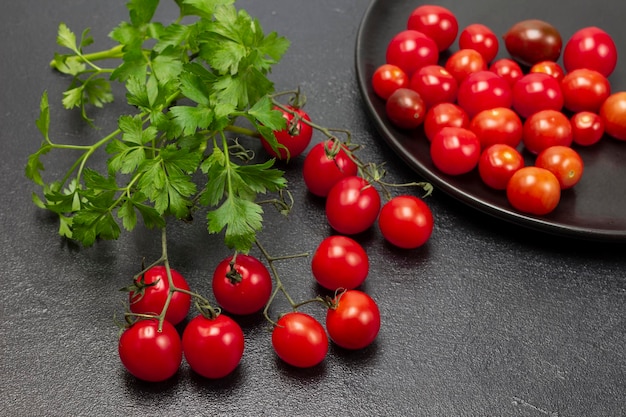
[(590, 48), (532, 41), (480, 38), (564, 162), (546, 128), (613, 114), (388, 78), (339, 262), (497, 125), (352, 205), (549, 67), (326, 163), (151, 299), (507, 69), (444, 115), (354, 320), (536, 91), (455, 150), (436, 22), (405, 108), (497, 165), (533, 190), (411, 50), (464, 62), (587, 128), (294, 138), (149, 354), (484, 90), (434, 85), (406, 221), (300, 340), (245, 290), (584, 89)]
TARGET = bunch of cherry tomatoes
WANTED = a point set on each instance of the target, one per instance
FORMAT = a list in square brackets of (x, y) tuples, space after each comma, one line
[(482, 113)]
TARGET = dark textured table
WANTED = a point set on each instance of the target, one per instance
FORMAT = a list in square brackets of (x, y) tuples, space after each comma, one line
[(488, 319)]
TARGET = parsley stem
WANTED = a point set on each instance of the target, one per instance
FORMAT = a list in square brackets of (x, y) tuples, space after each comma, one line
[(243, 131)]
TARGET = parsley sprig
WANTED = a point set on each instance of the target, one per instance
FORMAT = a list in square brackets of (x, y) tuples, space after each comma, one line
[(190, 85)]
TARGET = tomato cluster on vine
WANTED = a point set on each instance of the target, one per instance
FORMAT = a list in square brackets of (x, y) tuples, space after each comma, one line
[(491, 114)]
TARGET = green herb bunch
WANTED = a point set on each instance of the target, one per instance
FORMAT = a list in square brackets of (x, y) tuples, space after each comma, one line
[(192, 85)]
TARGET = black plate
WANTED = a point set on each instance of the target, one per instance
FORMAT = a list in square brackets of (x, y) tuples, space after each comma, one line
[(596, 207)]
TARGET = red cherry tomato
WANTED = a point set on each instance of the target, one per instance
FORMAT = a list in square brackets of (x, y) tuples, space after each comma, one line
[(405, 108), (151, 299), (444, 115), (455, 151), (546, 128), (590, 48), (465, 62), (498, 163), (480, 38), (406, 221), (536, 91), (436, 22), (354, 320), (564, 162), (300, 340), (339, 262), (388, 78), (584, 89), (549, 67), (497, 125), (324, 165), (411, 50), (244, 290), (613, 114), (507, 69), (295, 138), (587, 128), (149, 354), (533, 190), (213, 348), (434, 85), (483, 90), (352, 205)]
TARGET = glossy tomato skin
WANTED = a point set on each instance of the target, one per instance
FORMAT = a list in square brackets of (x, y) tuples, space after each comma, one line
[(354, 321), (465, 62), (507, 69), (213, 348), (411, 50), (484, 90), (436, 22), (497, 165), (533, 190), (455, 151), (549, 67), (295, 137), (591, 48), (531, 41), (584, 90), (352, 205), (444, 115), (300, 340), (497, 125), (546, 128), (405, 108), (587, 128), (406, 222), (480, 38), (324, 165), (248, 290), (613, 114), (535, 92), (435, 85), (339, 262), (155, 293), (564, 162), (388, 78), (148, 354)]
